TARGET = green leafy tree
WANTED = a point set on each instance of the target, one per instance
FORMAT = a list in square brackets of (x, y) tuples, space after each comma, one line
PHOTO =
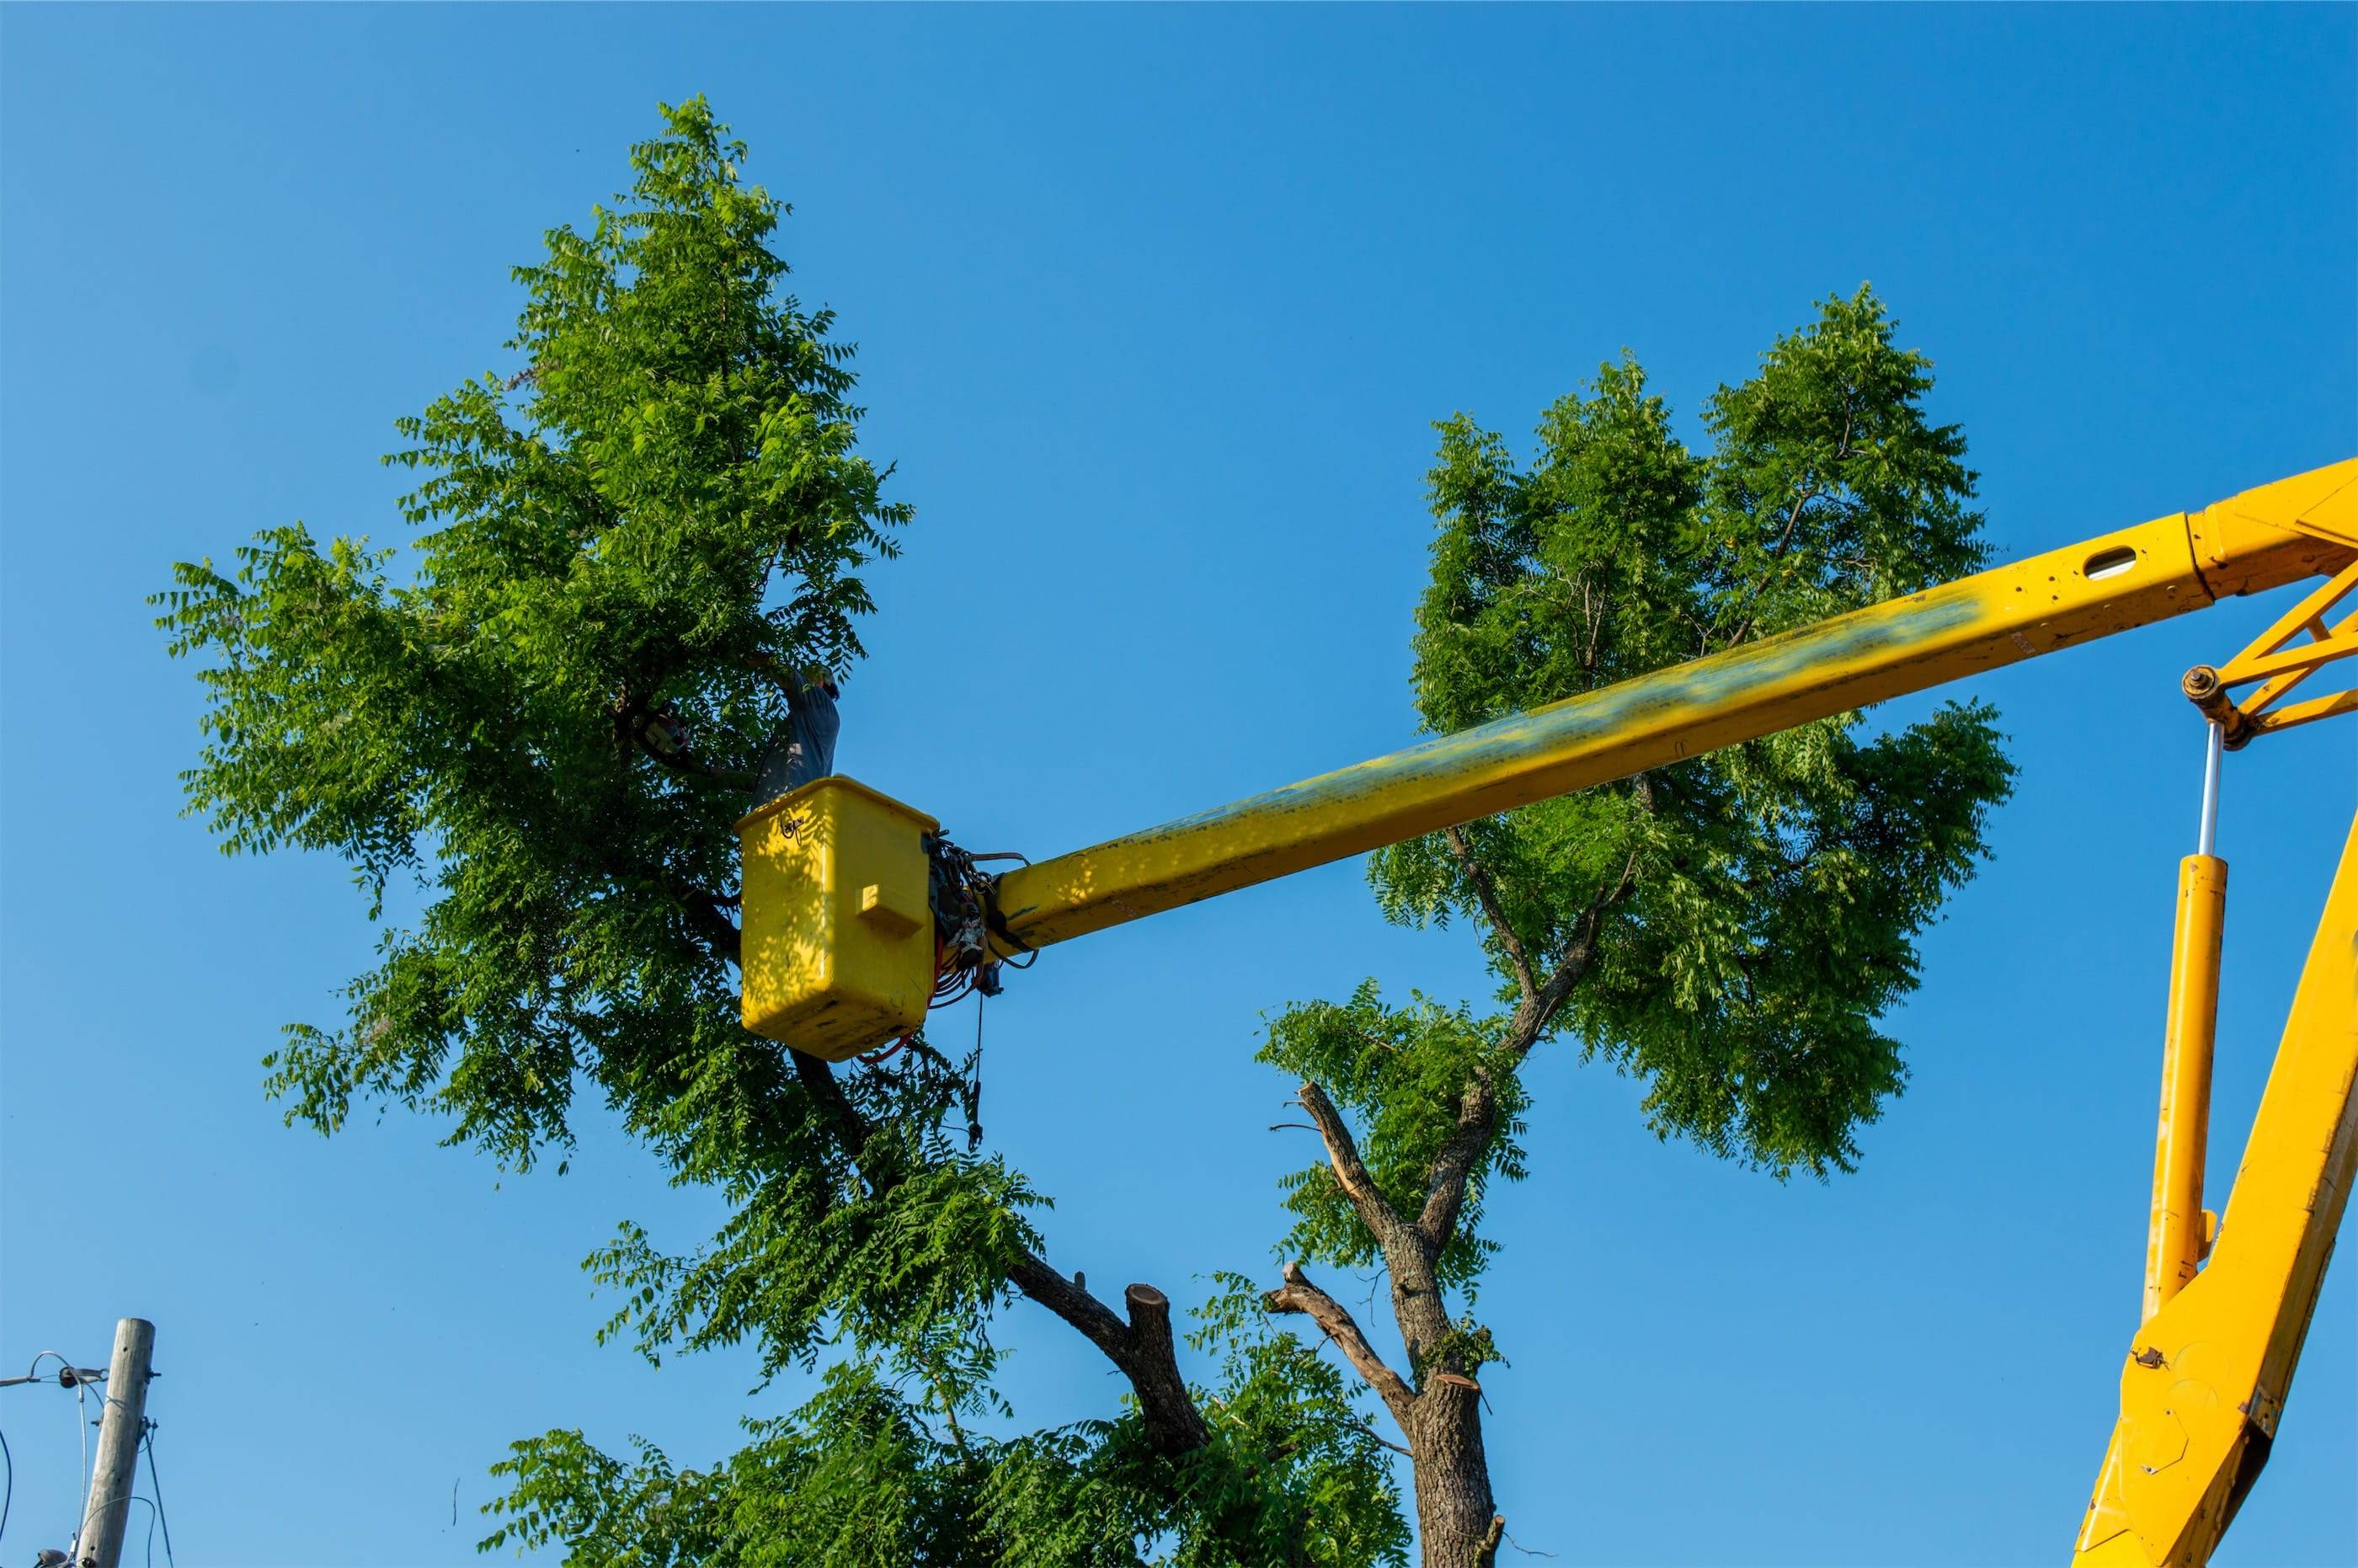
[(1727, 930), (546, 713)]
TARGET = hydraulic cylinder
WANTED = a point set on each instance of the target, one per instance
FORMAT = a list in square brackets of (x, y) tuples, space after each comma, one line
[(2180, 1235)]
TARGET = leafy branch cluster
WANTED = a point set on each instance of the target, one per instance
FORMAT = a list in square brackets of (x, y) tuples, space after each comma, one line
[(1730, 930), (547, 710)]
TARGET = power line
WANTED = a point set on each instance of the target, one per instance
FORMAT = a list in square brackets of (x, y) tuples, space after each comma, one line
[(82, 1430), (155, 1485), (67, 1375), (79, 1380)]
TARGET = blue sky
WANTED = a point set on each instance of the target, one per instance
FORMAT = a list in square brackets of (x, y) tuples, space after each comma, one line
[(1155, 308)]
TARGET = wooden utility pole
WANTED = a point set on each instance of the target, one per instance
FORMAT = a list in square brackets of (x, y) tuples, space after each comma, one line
[(121, 1425)]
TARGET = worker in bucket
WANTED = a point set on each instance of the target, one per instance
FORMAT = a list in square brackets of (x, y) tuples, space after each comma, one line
[(803, 748)]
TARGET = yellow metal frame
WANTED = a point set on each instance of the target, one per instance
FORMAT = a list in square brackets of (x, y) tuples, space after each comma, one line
[(2279, 662), (2205, 1381), (2181, 1229), (2279, 534), (837, 952), (838, 948)]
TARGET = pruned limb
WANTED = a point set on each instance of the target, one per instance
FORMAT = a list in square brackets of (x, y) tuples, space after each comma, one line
[(1487, 1552), (1335, 1322), (1173, 1423), (1141, 1348)]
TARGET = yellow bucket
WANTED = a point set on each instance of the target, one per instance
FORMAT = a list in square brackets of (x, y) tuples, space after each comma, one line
[(838, 953)]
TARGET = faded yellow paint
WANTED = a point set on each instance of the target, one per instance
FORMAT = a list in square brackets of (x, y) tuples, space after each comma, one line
[(2133, 578), (838, 951), (2205, 1381)]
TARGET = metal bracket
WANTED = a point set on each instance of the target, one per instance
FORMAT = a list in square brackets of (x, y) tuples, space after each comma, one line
[(2279, 662)]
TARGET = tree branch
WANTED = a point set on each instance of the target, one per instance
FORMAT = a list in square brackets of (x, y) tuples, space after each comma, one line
[(705, 920), (1813, 487), (1486, 893), (1452, 1171), (1140, 1348), (1375, 1211), (850, 1126), (1539, 1010), (1453, 1168), (687, 763), (1335, 1322)]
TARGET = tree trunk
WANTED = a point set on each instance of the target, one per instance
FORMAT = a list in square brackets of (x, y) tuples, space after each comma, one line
[(1456, 1518)]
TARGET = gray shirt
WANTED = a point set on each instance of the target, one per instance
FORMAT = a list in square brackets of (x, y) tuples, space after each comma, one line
[(802, 749)]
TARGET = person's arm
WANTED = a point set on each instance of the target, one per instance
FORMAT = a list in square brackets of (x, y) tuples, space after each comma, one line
[(796, 683)]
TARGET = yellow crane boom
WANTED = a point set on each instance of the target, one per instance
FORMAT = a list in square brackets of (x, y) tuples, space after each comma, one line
[(2203, 1385), (2264, 538), (843, 945)]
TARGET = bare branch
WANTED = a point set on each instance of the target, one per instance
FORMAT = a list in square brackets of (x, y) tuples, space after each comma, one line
[(1477, 1108), (1335, 1322), (1173, 1421), (1343, 1153), (1538, 1009), (1486, 892)]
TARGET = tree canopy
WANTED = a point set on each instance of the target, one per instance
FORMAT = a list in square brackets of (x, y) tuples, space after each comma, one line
[(1729, 930), (545, 708), (542, 708)]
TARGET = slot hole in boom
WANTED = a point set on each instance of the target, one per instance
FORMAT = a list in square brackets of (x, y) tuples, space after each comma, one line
[(2108, 563)]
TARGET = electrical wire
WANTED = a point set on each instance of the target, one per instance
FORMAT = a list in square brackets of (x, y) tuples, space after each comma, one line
[(156, 1484), (33, 1373), (135, 1498), (78, 1378), (82, 1430)]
